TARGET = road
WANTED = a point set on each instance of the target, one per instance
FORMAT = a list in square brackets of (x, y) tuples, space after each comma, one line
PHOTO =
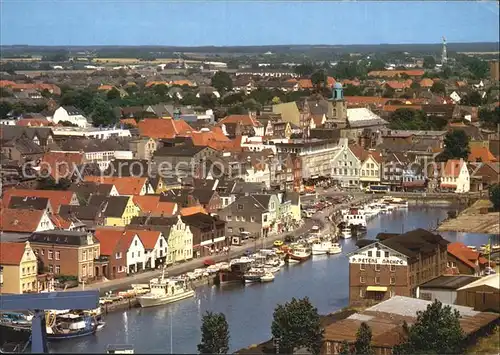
[(319, 219)]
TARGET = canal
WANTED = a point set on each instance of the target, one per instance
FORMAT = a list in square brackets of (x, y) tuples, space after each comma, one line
[(249, 308)]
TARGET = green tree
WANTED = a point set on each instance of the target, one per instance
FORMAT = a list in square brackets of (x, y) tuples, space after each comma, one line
[(49, 183), (456, 145), (232, 99), (437, 330), (113, 94), (318, 78), (190, 99), (490, 118), (102, 113), (345, 348), (363, 340), (415, 86), (5, 108), (222, 82), (376, 64), (236, 110), (4, 92), (276, 100), (438, 88), (214, 334), (494, 192), (262, 95), (472, 99), (304, 70), (429, 62), (208, 101), (252, 105), (388, 92), (297, 324)]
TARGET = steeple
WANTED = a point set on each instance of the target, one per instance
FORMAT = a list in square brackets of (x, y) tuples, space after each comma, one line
[(337, 92)]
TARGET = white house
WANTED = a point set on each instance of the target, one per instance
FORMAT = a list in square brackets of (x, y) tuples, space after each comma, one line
[(155, 246), (70, 114), (90, 132), (455, 176), (345, 165), (136, 253), (371, 168)]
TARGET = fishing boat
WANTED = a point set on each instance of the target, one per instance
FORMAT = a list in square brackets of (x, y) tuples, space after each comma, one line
[(268, 277), (297, 255), (354, 217), (234, 274), (164, 291), (321, 248), (346, 233), (16, 318), (69, 326), (335, 248), (253, 276)]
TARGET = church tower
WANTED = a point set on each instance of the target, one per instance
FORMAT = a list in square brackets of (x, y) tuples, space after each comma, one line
[(337, 108)]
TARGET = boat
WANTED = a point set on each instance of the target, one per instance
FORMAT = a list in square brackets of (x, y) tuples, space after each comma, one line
[(253, 276), (354, 217), (297, 255), (234, 274), (268, 277), (16, 318), (335, 248), (346, 233), (472, 247), (321, 248), (69, 326), (164, 291)]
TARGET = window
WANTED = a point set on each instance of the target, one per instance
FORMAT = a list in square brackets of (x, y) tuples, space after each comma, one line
[(393, 268), (84, 270), (377, 267), (24, 271), (448, 264), (242, 230), (138, 254), (42, 251), (58, 255), (228, 218), (377, 280), (243, 219), (362, 279), (161, 242), (58, 269), (370, 253), (135, 243), (362, 293), (252, 219), (118, 255), (132, 254), (51, 268), (386, 254), (378, 253), (84, 255), (453, 264), (361, 266), (50, 254), (237, 218), (265, 218), (240, 207), (393, 280)]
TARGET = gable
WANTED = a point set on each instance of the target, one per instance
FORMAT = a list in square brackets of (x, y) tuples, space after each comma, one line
[(361, 256)]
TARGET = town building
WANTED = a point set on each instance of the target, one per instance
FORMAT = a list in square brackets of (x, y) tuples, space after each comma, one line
[(455, 176), (395, 265), (72, 115), (209, 233), (483, 294), (19, 268), (113, 259), (68, 253), (444, 288), (345, 165), (464, 261)]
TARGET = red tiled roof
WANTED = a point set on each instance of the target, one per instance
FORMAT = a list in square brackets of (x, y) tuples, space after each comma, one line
[(366, 100), (305, 83), (244, 120), (151, 204), (363, 154), (393, 108), (59, 221), (129, 121), (452, 168), (148, 238), (482, 154), (56, 198), (464, 254), (11, 253), (188, 211), (108, 239), (61, 164), (20, 220), (399, 85), (33, 122), (394, 73), (163, 128), (125, 185), (426, 83)]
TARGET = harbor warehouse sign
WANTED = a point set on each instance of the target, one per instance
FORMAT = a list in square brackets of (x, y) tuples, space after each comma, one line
[(374, 256)]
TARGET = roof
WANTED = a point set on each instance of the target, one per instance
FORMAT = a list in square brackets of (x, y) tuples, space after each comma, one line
[(490, 281), (363, 154), (152, 204), (201, 221), (426, 83), (109, 238), (26, 202), (115, 205), (453, 167), (163, 128), (61, 164), (466, 255), (362, 116), (63, 237), (398, 85), (394, 73), (481, 154), (414, 242), (187, 211), (18, 220), (449, 282), (244, 120), (126, 185), (147, 237), (86, 213), (11, 253)]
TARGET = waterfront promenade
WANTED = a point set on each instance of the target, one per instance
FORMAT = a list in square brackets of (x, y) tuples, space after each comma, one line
[(319, 219)]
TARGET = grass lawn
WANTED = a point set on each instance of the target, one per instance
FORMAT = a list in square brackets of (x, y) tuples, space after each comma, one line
[(487, 345)]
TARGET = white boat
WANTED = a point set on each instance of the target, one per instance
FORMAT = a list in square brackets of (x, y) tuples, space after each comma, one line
[(164, 291), (336, 248), (267, 278), (346, 233), (321, 248), (355, 217), (297, 255)]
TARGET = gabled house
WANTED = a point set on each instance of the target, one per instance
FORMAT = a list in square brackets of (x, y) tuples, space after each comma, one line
[(72, 115), (113, 253), (371, 166), (209, 233), (56, 197), (464, 261), (249, 124), (18, 223), (126, 186), (455, 176), (19, 268), (345, 165), (30, 203), (136, 252), (116, 210), (155, 246), (150, 205)]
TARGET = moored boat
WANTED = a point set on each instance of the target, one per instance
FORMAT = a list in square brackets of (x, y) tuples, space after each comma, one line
[(335, 249), (297, 255), (253, 276), (70, 326), (321, 248), (346, 233), (268, 277)]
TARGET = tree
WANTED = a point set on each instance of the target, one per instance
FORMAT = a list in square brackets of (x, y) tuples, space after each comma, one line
[(276, 100), (415, 86), (102, 113), (304, 70), (490, 118), (376, 64), (222, 82), (472, 99), (495, 196), (208, 101), (5, 108), (456, 145), (429, 62), (438, 88), (345, 349), (113, 94), (437, 330), (297, 324), (190, 99), (408, 119), (252, 105), (49, 183), (214, 334), (363, 340), (318, 78), (389, 92)]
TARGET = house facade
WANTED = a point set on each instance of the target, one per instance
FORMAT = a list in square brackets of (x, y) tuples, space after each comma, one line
[(455, 176), (180, 241), (70, 114), (19, 268), (246, 215), (345, 166)]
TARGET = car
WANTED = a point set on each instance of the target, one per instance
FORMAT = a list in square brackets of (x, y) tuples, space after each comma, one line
[(278, 243)]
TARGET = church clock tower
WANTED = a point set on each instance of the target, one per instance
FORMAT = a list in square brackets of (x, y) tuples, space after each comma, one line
[(337, 108)]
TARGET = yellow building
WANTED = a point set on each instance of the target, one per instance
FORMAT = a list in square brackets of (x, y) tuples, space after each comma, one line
[(119, 211), (19, 268), (180, 242)]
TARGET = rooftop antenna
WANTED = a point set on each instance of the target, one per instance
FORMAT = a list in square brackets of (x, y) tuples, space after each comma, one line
[(444, 56)]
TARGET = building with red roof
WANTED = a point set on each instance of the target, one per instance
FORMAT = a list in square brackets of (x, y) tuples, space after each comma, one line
[(464, 261), (56, 197), (114, 249), (455, 176), (19, 268)]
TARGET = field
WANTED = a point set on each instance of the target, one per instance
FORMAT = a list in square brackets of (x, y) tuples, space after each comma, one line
[(137, 61), (487, 345)]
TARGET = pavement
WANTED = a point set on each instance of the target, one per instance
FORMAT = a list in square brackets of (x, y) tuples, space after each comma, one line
[(319, 219)]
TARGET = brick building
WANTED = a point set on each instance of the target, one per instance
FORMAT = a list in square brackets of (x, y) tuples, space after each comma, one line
[(395, 265), (68, 253)]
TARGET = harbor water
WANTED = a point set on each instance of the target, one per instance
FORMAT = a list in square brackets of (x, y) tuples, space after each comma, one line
[(175, 328)]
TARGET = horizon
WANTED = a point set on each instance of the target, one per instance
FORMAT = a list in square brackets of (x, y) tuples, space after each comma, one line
[(245, 23)]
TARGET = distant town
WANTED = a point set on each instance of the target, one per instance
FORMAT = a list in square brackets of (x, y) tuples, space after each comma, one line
[(141, 177)]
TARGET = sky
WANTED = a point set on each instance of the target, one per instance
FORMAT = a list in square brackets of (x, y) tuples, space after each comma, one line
[(224, 23)]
